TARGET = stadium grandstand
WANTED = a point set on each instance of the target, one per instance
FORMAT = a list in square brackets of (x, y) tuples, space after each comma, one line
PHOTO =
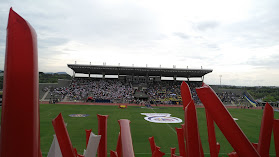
[(136, 85)]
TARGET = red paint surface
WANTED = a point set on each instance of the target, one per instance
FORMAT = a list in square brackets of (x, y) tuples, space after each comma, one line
[(211, 135), (152, 144), (119, 145), (172, 151), (266, 131), (87, 132), (20, 133), (63, 137), (102, 130), (113, 154), (181, 142), (126, 138), (185, 94), (157, 152), (191, 131), (225, 122)]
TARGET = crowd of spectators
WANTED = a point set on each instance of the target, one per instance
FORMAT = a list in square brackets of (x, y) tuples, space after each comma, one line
[(227, 97), (59, 93), (164, 92), (112, 90), (81, 89), (168, 92)]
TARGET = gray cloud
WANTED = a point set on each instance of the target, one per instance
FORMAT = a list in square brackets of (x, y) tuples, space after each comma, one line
[(211, 46), (271, 61), (181, 35), (258, 30), (137, 32), (206, 25), (51, 41)]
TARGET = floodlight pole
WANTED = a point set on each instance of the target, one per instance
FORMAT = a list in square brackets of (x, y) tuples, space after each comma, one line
[(220, 79)]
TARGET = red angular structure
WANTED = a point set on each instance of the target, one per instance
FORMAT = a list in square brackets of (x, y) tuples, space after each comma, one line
[(126, 138), (172, 151), (185, 94), (191, 131), (113, 154), (211, 136), (181, 142), (21, 60), (152, 144), (157, 152), (102, 130), (63, 137), (87, 133), (225, 122), (266, 131), (119, 145)]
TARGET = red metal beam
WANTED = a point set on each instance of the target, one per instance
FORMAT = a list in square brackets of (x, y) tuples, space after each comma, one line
[(21, 82), (126, 138), (225, 122)]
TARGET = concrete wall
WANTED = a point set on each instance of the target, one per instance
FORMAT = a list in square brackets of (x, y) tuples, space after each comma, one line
[(61, 83)]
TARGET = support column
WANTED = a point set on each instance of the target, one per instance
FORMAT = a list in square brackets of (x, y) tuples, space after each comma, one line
[(133, 77), (21, 58)]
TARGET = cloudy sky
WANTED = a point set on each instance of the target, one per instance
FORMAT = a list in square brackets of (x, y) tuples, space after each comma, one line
[(237, 39)]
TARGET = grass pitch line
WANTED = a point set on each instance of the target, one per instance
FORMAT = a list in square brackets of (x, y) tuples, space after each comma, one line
[(167, 123)]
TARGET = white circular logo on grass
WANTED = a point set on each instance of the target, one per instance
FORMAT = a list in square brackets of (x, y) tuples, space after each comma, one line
[(161, 118), (79, 115)]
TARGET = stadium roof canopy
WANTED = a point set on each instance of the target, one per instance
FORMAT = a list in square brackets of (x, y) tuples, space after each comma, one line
[(138, 71)]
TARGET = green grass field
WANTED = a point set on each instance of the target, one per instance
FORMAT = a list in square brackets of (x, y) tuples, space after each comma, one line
[(165, 135)]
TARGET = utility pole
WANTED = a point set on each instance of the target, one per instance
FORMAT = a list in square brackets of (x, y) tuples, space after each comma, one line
[(220, 79)]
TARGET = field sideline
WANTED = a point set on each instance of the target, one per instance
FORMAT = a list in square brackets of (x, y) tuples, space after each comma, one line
[(165, 135)]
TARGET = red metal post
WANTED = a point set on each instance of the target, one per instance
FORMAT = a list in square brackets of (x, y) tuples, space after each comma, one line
[(20, 83), (211, 135), (218, 147), (232, 154), (152, 144), (113, 154), (181, 142), (200, 146), (191, 131), (225, 122), (87, 136), (184, 131), (172, 151), (75, 152), (266, 131), (126, 138), (119, 146), (255, 145), (185, 94), (157, 152), (102, 130), (63, 137)]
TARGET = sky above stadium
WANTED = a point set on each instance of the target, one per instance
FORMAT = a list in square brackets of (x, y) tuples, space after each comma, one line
[(238, 39)]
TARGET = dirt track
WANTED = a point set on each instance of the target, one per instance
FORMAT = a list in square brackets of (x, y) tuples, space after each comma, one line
[(117, 104)]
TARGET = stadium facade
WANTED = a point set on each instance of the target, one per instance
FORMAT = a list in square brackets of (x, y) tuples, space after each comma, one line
[(138, 74)]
